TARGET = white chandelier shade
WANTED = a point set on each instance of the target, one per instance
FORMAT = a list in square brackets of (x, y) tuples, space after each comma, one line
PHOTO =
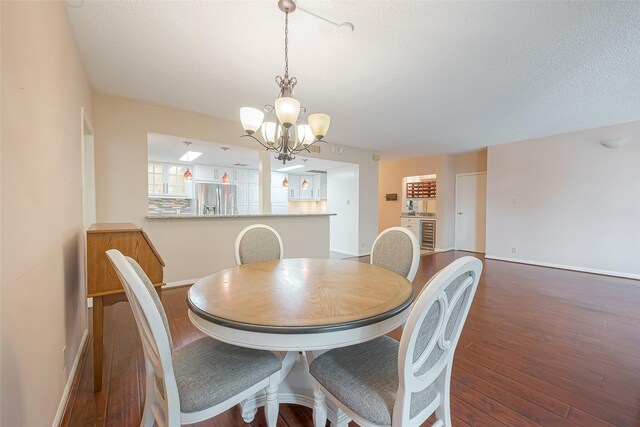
[(305, 136), (251, 119), (319, 124), (287, 110), (270, 132)]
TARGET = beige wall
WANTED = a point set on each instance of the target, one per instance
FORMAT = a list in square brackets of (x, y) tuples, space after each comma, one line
[(42, 306), (445, 166), (193, 248), (568, 201)]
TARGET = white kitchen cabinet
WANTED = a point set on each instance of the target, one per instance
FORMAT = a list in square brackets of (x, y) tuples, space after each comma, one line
[(240, 175), (203, 173), (319, 187), (242, 198), (279, 194), (306, 193), (315, 191), (242, 193), (167, 180), (254, 198), (323, 186), (294, 187), (209, 173), (413, 225)]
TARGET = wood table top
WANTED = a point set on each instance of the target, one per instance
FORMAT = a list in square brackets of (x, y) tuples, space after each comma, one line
[(300, 295)]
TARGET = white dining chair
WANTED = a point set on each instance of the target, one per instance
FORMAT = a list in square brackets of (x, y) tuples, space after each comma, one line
[(397, 249), (199, 380), (383, 382), (257, 243)]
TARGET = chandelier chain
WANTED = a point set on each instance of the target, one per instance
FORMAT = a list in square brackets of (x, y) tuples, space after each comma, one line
[(286, 44)]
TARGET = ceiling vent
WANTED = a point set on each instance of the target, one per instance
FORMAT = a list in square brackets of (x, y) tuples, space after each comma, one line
[(242, 165), (316, 171)]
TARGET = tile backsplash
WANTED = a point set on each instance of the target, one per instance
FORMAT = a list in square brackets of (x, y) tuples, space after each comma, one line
[(169, 206)]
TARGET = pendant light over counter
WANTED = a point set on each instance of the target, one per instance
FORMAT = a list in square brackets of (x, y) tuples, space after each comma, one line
[(188, 176), (225, 177)]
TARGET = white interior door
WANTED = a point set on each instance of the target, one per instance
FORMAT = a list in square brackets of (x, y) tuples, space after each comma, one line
[(471, 212)]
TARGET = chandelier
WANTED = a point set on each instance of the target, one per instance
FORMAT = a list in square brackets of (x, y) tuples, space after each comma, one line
[(285, 136)]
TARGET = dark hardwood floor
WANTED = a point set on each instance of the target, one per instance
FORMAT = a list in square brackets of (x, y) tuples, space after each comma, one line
[(540, 347)]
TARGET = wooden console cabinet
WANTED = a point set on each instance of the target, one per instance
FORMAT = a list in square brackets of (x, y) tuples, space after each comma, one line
[(103, 284)]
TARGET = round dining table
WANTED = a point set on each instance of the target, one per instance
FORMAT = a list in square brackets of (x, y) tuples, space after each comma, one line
[(299, 307)]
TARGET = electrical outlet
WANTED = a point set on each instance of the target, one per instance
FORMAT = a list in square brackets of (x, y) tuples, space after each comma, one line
[(64, 357), (514, 250)]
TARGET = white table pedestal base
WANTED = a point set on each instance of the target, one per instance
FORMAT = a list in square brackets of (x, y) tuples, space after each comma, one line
[(295, 388)]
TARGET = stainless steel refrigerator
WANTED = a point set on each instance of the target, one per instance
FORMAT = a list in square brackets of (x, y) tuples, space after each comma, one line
[(216, 199)]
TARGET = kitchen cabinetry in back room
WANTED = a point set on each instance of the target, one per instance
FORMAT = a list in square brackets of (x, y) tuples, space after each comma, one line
[(307, 187)]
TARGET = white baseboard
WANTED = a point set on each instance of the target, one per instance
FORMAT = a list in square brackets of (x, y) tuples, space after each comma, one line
[(179, 283), (566, 267), (72, 374), (368, 253), (444, 250), (344, 252)]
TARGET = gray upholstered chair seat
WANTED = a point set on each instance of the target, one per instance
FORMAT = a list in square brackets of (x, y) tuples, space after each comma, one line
[(364, 377), (209, 372)]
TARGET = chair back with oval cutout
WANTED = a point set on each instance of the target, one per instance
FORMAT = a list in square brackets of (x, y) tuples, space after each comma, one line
[(151, 321), (429, 340)]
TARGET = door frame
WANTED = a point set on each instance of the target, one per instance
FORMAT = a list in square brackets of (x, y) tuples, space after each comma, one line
[(455, 199), (86, 132)]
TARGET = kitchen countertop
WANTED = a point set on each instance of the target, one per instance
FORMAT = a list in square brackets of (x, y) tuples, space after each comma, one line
[(191, 216), (420, 215)]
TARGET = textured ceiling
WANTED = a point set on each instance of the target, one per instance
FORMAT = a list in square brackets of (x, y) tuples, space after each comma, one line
[(413, 78)]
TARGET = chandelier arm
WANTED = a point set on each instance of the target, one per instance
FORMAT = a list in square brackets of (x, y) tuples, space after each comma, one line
[(259, 142), (308, 145)]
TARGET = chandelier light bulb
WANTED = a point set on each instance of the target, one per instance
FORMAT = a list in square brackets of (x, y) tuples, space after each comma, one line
[(287, 110), (251, 119), (319, 124)]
